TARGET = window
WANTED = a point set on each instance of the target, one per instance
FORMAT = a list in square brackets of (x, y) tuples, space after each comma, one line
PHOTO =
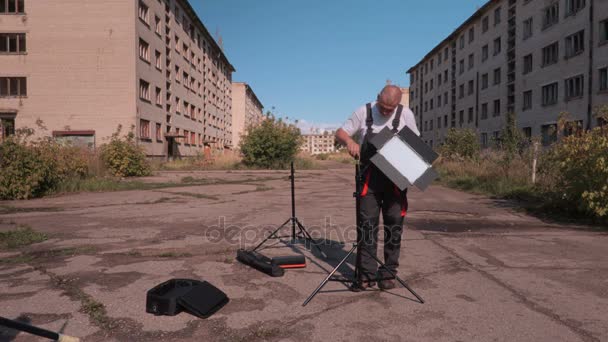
[(573, 6), (550, 54), (496, 108), (12, 42), (551, 15), (445, 98), (471, 34), (445, 76), (439, 80), (527, 131), (186, 137), (445, 54), (144, 129), (144, 90), (484, 53), (527, 103), (438, 123), (484, 111), (431, 125), (471, 87), (12, 6), (159, 132), (178, 46), (604, 31), (461, 117), (471, 61), (13, 86), (484, 81), (144, 50), (485, 24), (158, 60), (604, 79), (178, 105), (185, 79), (445, 121), (144, 13), (462, 66), (432, 82), (575, 44), (178, 75), (549, 134), (439, 101), (497, 16), (461, 91), (550, 94), (470, 119), (439, 59), (574, 87), (528, 28), (7, 125), (528, 64), (431, 104), (159, 97), (497, 46), (497, 74), (484, 140), (462, 42), (432, 64), (193, 138)]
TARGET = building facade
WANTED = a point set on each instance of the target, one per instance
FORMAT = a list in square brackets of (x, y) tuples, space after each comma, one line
[(247, 110), (536, 59), (318, 143), (79, 69), (405, 97)]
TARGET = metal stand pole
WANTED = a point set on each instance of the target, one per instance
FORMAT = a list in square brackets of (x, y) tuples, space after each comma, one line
[(293, 204)]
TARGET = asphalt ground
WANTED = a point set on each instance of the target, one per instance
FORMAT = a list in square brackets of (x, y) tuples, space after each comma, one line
[(486, 271)]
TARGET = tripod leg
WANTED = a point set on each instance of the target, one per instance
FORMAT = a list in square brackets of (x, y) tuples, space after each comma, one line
[(307, 236), (324, 282), (398, 279), (274, 233)]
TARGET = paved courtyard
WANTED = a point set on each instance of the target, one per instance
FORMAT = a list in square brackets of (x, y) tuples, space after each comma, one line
[(486, 271)]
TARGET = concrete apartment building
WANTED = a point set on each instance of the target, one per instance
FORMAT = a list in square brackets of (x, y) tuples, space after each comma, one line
[(317, 143), (533, 58), (405, 97), (247, 110), (84, 67)]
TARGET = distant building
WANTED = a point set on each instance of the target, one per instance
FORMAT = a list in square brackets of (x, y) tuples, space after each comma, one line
[(535, 59), (247, 110), (85, 67), (318, 143), (405, 97)]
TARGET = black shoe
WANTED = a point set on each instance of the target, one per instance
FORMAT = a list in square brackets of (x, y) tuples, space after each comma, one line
[(355, 287), (386, 284)]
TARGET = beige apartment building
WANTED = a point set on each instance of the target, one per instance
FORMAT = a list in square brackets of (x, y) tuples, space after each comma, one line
[(405, 97), (533, 58), (247, 110), (317, 143), (82, 68)]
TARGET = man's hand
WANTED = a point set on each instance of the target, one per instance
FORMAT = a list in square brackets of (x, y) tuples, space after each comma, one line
[(353, 149)]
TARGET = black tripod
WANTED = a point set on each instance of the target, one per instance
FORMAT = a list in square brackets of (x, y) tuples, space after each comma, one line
[(302, 233), (356, 281)]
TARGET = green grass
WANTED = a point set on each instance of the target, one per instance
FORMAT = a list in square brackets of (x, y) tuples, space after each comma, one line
[(21, 237)]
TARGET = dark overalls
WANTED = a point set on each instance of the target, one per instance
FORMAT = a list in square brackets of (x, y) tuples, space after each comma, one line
[(379, 193)]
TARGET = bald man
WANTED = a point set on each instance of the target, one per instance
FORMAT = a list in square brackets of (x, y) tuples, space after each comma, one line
[(379, 194)]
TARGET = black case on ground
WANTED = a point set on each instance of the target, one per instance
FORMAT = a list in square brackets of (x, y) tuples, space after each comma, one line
[(259, 262), (289, 260), (198, 298)]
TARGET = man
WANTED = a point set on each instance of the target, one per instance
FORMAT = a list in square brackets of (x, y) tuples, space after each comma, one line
[(378, 193)]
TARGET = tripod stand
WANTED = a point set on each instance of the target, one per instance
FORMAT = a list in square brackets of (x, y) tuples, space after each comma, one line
[(302, 233), (356, 281)]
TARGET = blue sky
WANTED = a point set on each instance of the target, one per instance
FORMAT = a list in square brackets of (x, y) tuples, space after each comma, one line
[(318, 60)]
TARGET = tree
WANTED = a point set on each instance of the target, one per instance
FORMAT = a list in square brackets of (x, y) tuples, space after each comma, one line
[(271, 144)]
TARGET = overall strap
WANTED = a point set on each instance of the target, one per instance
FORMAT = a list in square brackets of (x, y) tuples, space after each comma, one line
[(369, 121), (397, 119)]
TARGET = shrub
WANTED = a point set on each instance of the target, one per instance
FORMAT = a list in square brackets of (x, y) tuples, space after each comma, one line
[(272, 144), (123, 157), (576, 170), (461, 143), (33, 169)]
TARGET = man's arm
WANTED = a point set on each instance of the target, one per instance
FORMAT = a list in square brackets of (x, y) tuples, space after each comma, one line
[(344, 138)]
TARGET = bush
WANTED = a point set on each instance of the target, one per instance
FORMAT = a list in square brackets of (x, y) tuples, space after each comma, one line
[(272, 144), (461, 143), (576, 171), (123, 157)]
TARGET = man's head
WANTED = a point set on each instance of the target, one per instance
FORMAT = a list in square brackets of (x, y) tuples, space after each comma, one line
[(388, 99)]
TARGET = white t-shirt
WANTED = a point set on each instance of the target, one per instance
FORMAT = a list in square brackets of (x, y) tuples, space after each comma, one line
[(356, 122)]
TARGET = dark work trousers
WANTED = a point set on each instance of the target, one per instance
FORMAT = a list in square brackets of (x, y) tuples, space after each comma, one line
[(381, 195)]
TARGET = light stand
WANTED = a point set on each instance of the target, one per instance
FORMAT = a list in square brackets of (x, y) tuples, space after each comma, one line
[(302, 233), (356, 281)]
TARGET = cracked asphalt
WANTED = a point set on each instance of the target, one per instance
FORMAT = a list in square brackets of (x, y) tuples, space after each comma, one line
[(486, 271)]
